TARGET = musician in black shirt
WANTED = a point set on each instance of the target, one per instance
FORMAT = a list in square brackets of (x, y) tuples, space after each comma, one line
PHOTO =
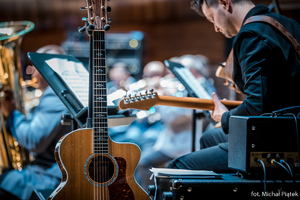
[(266, 68)]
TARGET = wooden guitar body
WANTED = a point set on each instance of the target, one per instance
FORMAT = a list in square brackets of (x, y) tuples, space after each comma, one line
[(114, 172)]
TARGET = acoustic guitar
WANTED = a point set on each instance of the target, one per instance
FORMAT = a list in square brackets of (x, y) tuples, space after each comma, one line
[(92, 165), (148, 100)]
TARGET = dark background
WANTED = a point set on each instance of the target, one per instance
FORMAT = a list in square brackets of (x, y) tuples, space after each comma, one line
[(170, 27)]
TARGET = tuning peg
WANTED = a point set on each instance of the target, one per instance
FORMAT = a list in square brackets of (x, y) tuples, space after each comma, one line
[(142, 97), (106, 27), (131, 99), (148, 95), (81, 29), (108, 9), (126, 101), (85, 8), (90, 27), (153, 95), (137, 98)]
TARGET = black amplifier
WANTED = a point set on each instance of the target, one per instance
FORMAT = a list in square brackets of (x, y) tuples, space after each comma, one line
[(265, 138)]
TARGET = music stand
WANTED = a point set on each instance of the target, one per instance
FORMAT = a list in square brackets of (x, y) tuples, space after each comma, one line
[(70, 82), (193, 88)]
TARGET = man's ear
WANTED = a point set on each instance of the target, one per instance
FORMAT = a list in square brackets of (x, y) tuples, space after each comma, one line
[(226, 4)]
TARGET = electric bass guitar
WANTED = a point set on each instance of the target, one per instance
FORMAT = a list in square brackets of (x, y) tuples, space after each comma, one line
[(92, 165), (148, 100)]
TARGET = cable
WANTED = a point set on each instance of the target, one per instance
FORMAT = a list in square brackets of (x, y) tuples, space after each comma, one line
[(281, 165), (289, 168), (297, 133), (265, 176), (291, 173), (280, 112)]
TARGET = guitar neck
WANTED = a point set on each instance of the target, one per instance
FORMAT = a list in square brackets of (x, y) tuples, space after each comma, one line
[(146, 101), (194, 103), (100, 127)]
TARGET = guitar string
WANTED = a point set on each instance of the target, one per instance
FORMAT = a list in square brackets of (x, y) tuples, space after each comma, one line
[(96, 136), (104, 105), (98, 119), (95, 116), (94, 119), (101, 64), (105, 128)]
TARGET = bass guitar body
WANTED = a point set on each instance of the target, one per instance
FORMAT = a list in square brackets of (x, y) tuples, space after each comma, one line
[(86, 175)]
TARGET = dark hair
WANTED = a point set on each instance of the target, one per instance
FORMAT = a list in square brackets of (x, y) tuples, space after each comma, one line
[(197, 4)]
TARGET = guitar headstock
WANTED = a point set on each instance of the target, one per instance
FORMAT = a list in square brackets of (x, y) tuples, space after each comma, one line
[(97, 14), (140, 102)]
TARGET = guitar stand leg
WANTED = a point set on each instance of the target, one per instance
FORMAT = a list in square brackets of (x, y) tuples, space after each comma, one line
[(68, 120), (195, 117)]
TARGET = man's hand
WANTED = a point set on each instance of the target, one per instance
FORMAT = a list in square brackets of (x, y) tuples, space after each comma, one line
[(8, 103), (219, 109)]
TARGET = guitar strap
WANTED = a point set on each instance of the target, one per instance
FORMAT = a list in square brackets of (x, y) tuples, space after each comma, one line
[(227, 71), (276, 24)]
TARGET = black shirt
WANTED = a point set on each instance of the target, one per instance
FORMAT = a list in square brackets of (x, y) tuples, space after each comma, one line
[(266, 66)]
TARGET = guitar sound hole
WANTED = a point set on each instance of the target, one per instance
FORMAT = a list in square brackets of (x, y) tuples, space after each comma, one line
[(101, 169)]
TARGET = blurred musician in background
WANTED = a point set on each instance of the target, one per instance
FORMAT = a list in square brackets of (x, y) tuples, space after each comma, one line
[(153, 72), (119, 78), (38, 132), (261, 56), (144, 130)]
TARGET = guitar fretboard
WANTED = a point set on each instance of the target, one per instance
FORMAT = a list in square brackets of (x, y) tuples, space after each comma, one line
[(100, 128)]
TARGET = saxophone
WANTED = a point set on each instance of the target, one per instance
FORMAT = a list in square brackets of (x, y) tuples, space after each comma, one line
[(12, 155)]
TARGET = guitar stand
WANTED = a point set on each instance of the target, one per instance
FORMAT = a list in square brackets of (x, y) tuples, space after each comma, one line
[(68, 120)]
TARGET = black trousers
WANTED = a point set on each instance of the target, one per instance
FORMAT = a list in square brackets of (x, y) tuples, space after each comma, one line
[(213, 154)]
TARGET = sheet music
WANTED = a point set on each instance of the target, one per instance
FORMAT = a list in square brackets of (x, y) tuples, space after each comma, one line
[(75, 75), (182, 172), (193, 83)]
